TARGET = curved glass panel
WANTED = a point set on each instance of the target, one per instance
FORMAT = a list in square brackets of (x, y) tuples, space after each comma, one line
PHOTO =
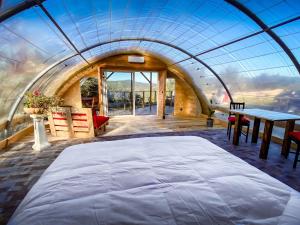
[(145, 46), (55, 80), (290, 34), (206, 82), (30, 43), (258, 72), (203, 79), (275, 11), (7, 5), (192, 25), (47, 81), (24, 54)]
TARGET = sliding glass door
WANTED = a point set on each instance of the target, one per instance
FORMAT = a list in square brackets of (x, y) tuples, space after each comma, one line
[(119, 93), (131, 93)]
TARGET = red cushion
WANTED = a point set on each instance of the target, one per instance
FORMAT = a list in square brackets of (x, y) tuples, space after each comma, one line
[(245, 120), (94, 112), (58, 113), (295, 135), (231, 119), (102, 119), (99, 120), (55, 118)]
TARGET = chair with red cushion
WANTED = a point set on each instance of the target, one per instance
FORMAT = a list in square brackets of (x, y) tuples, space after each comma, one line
[(71, 122), (100, 121), (295, 136), (232, 118)]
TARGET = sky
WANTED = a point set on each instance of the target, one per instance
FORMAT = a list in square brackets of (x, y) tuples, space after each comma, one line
[(138, 77)]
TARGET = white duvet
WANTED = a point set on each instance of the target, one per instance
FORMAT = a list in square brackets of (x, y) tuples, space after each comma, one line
[(161, 180)]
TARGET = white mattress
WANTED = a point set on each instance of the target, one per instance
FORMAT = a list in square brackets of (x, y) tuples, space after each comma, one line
[(161, 180)]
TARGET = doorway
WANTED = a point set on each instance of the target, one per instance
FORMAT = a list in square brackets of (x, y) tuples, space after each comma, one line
[(118, 93), (131, 93), (170, 96)]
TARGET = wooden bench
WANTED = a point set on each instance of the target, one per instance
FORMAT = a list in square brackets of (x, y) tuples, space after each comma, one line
[(75, 122)]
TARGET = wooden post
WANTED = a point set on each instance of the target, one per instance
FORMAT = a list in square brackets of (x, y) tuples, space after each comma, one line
[(89, 115), (255, 131), (68, 111), (100, 90), (124, 102), (51, 123), (237, 129), (161, 103), (105, 98), (143, 99), (133, 92), (290, 124), (264, 149), (150, 101)]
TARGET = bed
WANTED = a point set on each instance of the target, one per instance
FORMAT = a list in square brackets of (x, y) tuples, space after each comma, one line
[(156, 180)]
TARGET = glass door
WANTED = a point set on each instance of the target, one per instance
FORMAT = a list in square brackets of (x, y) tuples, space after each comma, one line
[(119, 93), (170, 96), (145, 93)]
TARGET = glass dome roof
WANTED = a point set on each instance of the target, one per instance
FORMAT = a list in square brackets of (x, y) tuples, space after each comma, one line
[(249, 47)]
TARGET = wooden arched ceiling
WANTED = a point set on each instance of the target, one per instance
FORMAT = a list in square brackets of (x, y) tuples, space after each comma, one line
[(153, 62)]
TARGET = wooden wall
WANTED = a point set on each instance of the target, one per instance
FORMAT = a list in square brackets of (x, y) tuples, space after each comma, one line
[(72, 97), (161, 95), (186, 100)]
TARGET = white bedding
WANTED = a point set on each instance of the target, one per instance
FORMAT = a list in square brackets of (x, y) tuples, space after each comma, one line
[(162, 180)]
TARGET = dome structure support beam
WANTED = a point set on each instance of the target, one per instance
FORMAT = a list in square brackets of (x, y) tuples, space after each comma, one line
[(61, 30), (267, 30), (17, 9), (30, 85), (169, 45), (241, 38)]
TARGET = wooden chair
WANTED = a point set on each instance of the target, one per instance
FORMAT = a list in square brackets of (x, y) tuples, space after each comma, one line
[(82, 122), (232, 118), (76, 122), (295, 136), (71, 122)]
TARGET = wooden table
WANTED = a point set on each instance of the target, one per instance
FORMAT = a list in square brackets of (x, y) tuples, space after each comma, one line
[(270, 117)]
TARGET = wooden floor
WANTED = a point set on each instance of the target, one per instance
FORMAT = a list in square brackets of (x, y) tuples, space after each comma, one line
[(123, 125), (20, 166)]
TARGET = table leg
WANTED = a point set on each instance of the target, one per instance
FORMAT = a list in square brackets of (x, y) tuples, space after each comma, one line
[(264, 149), (255, 131), (290, 124), (237, 129)]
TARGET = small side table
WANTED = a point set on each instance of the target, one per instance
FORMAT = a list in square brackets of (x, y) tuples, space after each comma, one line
[(40, 137)]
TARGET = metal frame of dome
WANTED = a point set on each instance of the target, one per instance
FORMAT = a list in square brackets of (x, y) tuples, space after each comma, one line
[(17, 103), (268, 30), (251, 15)]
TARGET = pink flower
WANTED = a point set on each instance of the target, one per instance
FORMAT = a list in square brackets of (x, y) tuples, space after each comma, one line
[(37, 93)]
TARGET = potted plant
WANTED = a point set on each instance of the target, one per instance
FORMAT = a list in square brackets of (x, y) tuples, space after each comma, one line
[(37, 103), (210, 121)]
